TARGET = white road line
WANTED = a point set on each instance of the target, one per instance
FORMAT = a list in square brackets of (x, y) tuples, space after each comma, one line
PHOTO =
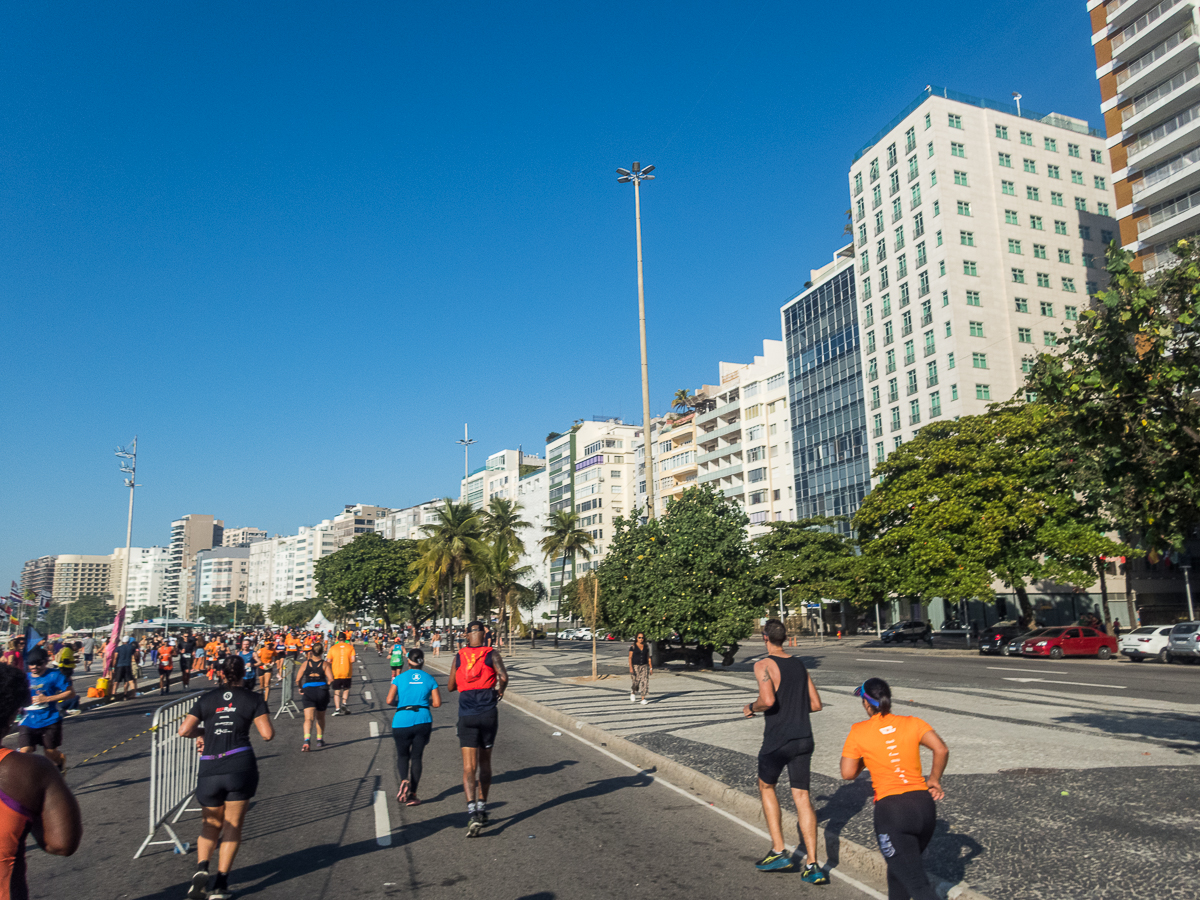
[(1115, 687), (1023, 669), (364, 677), (898, 662), (383, 824), (367, 696), (853, 882), (374, 727)]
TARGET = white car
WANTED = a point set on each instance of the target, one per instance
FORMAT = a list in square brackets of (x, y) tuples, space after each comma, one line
[(1149, 641), (567, 634), (583, 634)]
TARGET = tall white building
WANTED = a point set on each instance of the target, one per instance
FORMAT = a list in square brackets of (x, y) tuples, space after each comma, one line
[(281, 568), (980, 235), (81, 575), (147, 578), (242, 537), (222, 576), (498, 477), (408, 523)]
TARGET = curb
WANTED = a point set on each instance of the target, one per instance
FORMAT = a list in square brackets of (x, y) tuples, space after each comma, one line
[(850, 857)]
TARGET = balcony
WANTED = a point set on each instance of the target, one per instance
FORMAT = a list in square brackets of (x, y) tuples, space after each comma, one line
[(727, 450), (906, 330), (914, 419), (910, 358), (888, 337), (930, 349), (926, 319), (894, 396), (931, 381), (896, 423), (1164, 141), (877, 431), (891, 367), (718, 474), (912, 388), (875, 403), (1135, 37), (913, 173), (719, 413), (1150, 66), (1169, 96), (1168, 178)]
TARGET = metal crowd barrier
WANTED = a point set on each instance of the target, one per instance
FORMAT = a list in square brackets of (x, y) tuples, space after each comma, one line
[(287, 690), (174, 764)]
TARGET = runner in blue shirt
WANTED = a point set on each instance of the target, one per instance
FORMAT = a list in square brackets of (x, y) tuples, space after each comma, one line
[(414, 692), (42, 723)]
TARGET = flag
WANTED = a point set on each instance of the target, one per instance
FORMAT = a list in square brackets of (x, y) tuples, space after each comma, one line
[(44, 598), (32, 638), (14, 595)]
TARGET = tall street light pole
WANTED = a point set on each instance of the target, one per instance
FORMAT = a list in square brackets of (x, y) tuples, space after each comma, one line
[(128, 459), (637, 175), (468, 600)]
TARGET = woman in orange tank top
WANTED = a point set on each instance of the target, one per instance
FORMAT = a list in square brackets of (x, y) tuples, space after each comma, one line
[(34, 799)]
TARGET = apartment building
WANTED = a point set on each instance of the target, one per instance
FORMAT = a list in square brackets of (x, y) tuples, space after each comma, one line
[(147, 577), (242, 537), (409, 523), (356, 519), (743, 437), (81, 575), (38, 574), (189, 535), (825, 385), (980, 236), (1148, 67), (500, 476), (675, 467), (280, 569), (222, 576)]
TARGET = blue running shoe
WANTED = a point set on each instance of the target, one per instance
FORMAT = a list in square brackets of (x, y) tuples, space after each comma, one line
[(780, 861), (813, 875)]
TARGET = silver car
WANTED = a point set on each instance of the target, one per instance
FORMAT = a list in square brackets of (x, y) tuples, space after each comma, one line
[(1184, 642)]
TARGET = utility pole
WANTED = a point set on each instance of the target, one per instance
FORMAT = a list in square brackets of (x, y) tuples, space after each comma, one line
[(128, 459), (468, 600)]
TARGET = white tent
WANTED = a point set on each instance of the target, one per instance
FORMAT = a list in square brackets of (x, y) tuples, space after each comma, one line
[(319, 623)]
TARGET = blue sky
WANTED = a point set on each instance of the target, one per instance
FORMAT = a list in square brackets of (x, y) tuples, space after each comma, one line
[(294, 246)]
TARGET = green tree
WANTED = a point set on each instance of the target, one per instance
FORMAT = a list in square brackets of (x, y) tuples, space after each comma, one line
[(293, 615), (564, 538), (1126, 385), (368, 577), (88, 611), (238, 612), (690, 571), (527, 603), (451, 544), (806, 558), (498, 567), (683, 401), (981, 498), (502, 519)]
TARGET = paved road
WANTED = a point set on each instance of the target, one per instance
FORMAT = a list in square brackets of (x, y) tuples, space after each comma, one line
[(569, 820)]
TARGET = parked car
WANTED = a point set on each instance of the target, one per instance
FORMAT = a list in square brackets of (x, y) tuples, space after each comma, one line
[(909, 630), (1184, 642), (1147, 642), (583, 634), (568, 634), (1074, 640), (1015, 645), (998, 638)]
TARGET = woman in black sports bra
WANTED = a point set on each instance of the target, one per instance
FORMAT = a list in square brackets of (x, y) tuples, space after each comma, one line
[(313, 678)]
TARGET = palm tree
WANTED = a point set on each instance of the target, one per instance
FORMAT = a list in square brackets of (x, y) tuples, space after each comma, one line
[(499, 570), (502, 518), (451, 544), (564, 539), (683, 401)]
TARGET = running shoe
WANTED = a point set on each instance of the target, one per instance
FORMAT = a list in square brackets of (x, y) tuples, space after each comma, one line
[(413, 801), (337, 712), (320, 743), (780, 861), (644, 701), (474, 825), (220, 894), (813, 875), (632, 697), (481, 811), (305, 747), (198, 889), (402, 794)]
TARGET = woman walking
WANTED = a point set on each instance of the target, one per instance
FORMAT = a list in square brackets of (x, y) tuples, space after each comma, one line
[(889, 747), (640, 668), (228, 778), (414, 693), (313, 678)]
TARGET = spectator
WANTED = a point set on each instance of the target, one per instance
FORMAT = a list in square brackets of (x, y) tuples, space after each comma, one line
[(15, 654)]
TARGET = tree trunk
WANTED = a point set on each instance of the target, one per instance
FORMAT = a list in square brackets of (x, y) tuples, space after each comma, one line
[(1023, 603), (1104, 595), (1130, 595), (595, 616)]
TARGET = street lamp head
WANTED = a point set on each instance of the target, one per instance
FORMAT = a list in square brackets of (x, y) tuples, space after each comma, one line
[(646, 177), (625, 179), (647, 170), (637, 167), (623, 172)]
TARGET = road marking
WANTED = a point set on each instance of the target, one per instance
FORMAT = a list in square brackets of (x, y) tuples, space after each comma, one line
[(383, 824), (853, 882), (364, 677), (374, 728), (1115, 687), (898, 662), (1023, 669), (367, 696)]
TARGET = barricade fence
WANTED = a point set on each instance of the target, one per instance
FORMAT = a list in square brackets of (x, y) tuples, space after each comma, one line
[(287, 688), (174, 764)]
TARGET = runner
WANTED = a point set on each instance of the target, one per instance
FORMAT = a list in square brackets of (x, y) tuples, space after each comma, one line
[(186, 648), (396, 657), (34, 799), (291, 645), (786, 694), (228, 776), (889, 747), (165, 664), (414, 694), (379, 643), (250, 676), (264, 659), (42, 722), (341, 660), (313, 678), (123, 669), (478, 674), (89, 652)]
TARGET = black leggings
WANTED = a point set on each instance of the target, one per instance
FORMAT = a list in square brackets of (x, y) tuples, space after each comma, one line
[(410, 747), (904, 827)]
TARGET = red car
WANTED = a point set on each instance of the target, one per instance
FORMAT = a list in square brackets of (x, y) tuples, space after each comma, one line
[(1074, 640)]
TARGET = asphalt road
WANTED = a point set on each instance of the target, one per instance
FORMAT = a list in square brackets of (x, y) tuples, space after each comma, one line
[(569, 821)]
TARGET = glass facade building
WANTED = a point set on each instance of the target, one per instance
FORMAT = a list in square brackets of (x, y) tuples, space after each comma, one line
[(825, 386)]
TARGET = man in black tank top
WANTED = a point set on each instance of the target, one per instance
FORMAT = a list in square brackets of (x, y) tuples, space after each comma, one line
[(787, 695)]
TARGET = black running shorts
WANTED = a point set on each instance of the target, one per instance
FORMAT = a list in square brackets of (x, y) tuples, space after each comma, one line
[(214, 790), (122, 675), (342, 684), (49, 737), (479, 730), (795, 755), (315, 698)]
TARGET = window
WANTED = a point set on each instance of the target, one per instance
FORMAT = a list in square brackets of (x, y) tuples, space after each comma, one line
[(883, 277), (898, 207), (1009, 188), (937, 208), (1073, 150), (858, 184), (1011, 217), (926, 313), (860, 209), (894, 183), (1106, 236), (1046, 307), (879, 223), (949, 360), (901, 266), (1032, 193), (930, 148), (890, 356), (910, 140), (964, 207), (938, 238), (979, 361), (865, 261), (1097, 156), (1030, 166), (873, 370), (955, 121), (935, 404), (1056, 198), (1014, 246), (969, 267), (1053, 172), (1002, 132), (914, 412), (966, 238), (1018, 276), (1025, 335), (976, 329), (1026, 364), (1043, 279), (1071, 313), (891, 155), (945, 298), (1085, 233), (1060, 227), (1076, 177), (959, 150), (1039, 251), (960, 178), (1049, 338), (899, 237), (893, 390), (887, 307), (973, 298), (880, 454), (948, 330), (881, 250), (931, 375), (918, 225), (941, 268), (862, 235), (1035, 222), (912, 382), (896, 418), (1050, 144), (1102, 209), (866, 288), (927, 122), (875, 170), (1027, 138), (1064, 256), (983, 392), (1005, 160), (1081, 204), (1069, 285), (921, 259)]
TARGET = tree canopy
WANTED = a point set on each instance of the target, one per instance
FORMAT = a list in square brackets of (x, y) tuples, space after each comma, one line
[(371, 577), (811, 559)]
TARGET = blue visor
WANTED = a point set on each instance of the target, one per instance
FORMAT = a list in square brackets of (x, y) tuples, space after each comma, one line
[(861, 691)]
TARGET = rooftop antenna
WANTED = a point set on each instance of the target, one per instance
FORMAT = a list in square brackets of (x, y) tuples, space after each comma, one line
[(1017, 97)]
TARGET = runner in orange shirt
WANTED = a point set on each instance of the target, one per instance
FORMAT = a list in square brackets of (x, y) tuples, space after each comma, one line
[(166, 662), (264, 661), (889, 747), (341, 659)]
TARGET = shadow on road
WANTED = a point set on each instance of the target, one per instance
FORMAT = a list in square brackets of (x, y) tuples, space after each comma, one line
[(296, 809), (593, 789), (1150, 725), (845, 803)]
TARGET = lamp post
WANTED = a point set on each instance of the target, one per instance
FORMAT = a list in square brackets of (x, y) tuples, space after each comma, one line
[(468, 604), (637, 175), (1187, 586), (128, 459)]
